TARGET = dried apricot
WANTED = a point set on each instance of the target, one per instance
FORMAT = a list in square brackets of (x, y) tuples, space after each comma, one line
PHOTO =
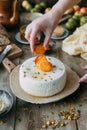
[(39, 49), (39, 58), (44, 65)]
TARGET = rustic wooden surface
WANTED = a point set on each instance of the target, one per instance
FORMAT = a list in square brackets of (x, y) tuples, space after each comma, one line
[(27, 116)]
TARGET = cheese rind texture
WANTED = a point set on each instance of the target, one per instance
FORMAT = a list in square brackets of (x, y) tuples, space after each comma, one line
[(42, 84)]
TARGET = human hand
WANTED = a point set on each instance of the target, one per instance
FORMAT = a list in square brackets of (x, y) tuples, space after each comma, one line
[(43, 24), (84, 78)]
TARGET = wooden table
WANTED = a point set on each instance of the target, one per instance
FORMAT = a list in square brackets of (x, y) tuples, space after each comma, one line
[(28, 116)]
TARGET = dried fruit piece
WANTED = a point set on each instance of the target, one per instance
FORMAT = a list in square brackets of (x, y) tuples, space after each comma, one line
[(39, 49), (38, 58), (44, 65)]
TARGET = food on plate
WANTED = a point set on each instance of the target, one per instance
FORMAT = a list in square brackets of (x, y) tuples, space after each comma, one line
[(4, 36), (38, 58), (76, 44), (43, 64), (58, 31), (22, 32), (39, 83)]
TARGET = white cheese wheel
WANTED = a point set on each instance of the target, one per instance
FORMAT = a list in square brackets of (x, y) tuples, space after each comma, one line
[(42, 84)]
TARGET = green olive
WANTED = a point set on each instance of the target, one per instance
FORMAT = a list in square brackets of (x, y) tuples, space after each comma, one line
[(73, 21), (34, 10), (43, 4), (83, 21), (37, 7), (28, 7), (69, 25), (77, 18)]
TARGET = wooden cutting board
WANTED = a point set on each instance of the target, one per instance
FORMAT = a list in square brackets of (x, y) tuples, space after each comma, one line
[(14, 53)]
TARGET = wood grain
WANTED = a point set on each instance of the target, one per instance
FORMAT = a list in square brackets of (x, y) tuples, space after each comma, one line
[(26, 113), (14, 53)]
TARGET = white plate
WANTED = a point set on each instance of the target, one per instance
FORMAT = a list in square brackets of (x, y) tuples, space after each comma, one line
[(32, 16), (17, 37), (65, 34), (7, 98)]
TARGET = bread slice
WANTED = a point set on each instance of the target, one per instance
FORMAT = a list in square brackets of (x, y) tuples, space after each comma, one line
[(4, 40), (58, 31), (4, 36)]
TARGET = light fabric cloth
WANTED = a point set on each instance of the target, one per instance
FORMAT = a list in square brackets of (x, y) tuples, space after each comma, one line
[(76, 44)]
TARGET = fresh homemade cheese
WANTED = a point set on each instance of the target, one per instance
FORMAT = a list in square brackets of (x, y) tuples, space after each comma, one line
[(39, 83)]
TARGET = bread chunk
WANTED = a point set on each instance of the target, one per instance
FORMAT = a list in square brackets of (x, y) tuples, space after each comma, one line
[(4, 36), (58, 31)]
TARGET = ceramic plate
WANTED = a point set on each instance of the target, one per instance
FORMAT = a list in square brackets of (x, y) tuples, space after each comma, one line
[(32, 16), (17, 37), (65, 34), (7, 99), (70, 87)]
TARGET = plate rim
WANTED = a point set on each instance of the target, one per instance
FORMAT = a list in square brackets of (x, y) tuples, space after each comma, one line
[(62, 36), (40, 101), (9, 108), (33, 13), (19, 40)]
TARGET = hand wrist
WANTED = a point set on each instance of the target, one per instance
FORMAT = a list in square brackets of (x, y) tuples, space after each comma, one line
[(55, 15)]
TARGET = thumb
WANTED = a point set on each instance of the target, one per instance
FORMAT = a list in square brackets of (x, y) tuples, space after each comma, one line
[(85, 67), (83, 79)]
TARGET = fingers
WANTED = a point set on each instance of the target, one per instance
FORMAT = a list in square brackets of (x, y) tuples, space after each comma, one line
[(85, 67), (27, 33), (83, 79), (34, 28), (31, 34), (32, 38), (47, 40)]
